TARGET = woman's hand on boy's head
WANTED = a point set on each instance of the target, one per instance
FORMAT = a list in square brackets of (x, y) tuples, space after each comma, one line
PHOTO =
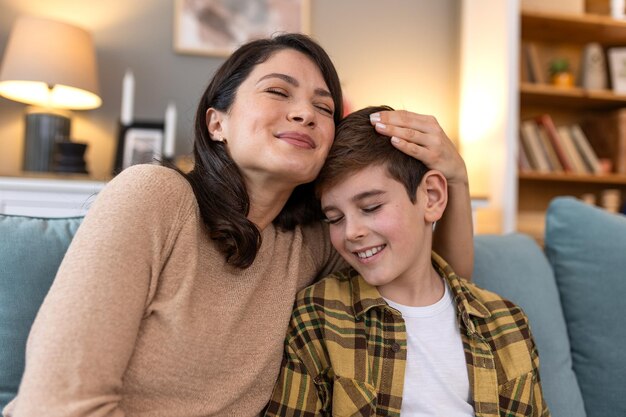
[(421, 137)]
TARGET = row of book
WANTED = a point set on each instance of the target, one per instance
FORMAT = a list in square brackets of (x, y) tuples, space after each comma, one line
[(545, 147), (531, 68)]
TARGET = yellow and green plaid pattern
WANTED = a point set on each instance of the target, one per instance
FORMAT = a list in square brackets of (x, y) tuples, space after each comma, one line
[(345, 352)]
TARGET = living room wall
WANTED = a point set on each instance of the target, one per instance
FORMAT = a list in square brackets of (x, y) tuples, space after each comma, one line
[(398, 52)]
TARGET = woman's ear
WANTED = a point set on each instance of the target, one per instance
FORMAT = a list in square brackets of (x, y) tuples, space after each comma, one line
[(435, 187), (215, 123)]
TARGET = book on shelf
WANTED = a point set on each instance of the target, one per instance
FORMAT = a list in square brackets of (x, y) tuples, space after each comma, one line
[(529, 133), (586, 151), (544, 147), (545, 120), (530, 157), (548, 149), (607, 136), (536, 72), (523, 163), (578, 165)]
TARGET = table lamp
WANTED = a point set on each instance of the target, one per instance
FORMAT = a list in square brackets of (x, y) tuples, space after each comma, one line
[(52, 66)]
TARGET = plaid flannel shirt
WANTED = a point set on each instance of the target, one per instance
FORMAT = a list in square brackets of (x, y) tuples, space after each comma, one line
[(345, 352)]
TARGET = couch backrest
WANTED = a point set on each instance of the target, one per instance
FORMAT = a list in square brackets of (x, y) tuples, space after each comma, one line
[(586, 247), (515, 267), (31, 250)]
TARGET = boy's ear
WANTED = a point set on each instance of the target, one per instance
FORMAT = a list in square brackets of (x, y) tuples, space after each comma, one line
[(215, 124), (435, 188)]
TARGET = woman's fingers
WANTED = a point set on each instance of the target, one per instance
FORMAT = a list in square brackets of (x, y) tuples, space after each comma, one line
[(421, 137)]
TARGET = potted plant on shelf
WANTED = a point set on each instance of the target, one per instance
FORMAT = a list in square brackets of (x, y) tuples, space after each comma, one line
[(560, 73)]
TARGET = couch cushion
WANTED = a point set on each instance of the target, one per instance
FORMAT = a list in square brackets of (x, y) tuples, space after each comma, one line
[(514, 267), (587, 249), (31, 250)]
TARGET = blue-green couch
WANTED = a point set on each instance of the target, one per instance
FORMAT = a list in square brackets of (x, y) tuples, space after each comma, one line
[(573, 290)]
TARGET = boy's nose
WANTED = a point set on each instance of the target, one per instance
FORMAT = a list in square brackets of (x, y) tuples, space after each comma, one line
[(355, 230)]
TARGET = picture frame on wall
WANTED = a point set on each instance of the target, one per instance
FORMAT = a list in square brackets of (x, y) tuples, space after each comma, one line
[(218, 27), (617, 69)]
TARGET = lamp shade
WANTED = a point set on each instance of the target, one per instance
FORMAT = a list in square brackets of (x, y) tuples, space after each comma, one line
[(50, 64)]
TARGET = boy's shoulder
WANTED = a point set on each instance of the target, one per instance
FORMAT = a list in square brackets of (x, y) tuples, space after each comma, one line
[(497, 316), (492, 301), (476, 300), (334, 290)]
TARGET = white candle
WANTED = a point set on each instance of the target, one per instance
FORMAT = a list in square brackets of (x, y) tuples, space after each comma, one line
[(170, 131), (128, 93)]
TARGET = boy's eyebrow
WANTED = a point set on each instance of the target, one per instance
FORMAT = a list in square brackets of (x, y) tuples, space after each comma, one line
[(289, 79), (358, 197)]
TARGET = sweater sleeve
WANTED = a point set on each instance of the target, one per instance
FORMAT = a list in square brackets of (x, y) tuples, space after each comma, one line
[(85, 332), (325, 258)]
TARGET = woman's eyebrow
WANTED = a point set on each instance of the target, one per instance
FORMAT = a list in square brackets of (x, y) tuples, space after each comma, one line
[(289, 79)]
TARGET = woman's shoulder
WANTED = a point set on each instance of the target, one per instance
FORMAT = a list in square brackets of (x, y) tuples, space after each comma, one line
[(153, 177), (145, 187)]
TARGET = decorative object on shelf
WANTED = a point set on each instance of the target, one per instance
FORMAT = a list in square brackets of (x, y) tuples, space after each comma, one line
[(560, 73), (217, 27), (51, 65), (611, 200), (593, 68), (588, 198), (128, 98), (170, 133), (141, 142), (617, 9), (617, 65), (70, 157)]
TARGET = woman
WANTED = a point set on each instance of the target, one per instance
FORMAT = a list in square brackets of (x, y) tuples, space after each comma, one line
[(175, 294)]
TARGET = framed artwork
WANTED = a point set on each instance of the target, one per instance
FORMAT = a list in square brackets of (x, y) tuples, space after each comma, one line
[(138, 143), (617, 67), (218, 27), (142, 146)]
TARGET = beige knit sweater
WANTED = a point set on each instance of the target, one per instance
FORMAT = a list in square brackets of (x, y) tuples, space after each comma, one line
[(145, 318)]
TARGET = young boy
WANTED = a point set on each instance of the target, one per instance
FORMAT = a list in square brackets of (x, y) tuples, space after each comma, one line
[(399, 332)]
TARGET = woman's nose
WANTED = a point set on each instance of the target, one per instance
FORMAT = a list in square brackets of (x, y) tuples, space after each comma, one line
[(302, 113)]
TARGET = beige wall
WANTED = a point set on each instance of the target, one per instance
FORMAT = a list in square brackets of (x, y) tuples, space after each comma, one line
[(398, 52)]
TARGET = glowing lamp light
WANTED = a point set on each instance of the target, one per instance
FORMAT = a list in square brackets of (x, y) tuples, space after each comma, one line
[(51, 65), (38, 93)]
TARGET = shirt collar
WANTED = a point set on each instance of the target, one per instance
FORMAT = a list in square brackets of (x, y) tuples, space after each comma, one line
[(366, 296)]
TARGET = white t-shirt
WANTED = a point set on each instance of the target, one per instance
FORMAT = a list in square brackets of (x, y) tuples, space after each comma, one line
[(436, 382)]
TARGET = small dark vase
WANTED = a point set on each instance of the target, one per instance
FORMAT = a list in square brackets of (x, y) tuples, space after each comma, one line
[(70, 157)]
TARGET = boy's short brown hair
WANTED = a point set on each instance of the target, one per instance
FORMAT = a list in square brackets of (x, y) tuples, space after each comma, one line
[(358, 145)]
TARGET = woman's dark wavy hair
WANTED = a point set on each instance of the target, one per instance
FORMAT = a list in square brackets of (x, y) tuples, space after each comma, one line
[(217, 181)]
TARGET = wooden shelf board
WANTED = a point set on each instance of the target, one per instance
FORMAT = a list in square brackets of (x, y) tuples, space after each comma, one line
[(573, 28), (574, 97), (615, 179)]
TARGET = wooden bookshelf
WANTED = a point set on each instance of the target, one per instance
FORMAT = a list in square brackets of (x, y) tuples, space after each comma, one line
[(564, 36)]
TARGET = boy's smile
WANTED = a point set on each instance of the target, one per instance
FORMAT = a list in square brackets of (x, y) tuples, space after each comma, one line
[(379, 231)]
